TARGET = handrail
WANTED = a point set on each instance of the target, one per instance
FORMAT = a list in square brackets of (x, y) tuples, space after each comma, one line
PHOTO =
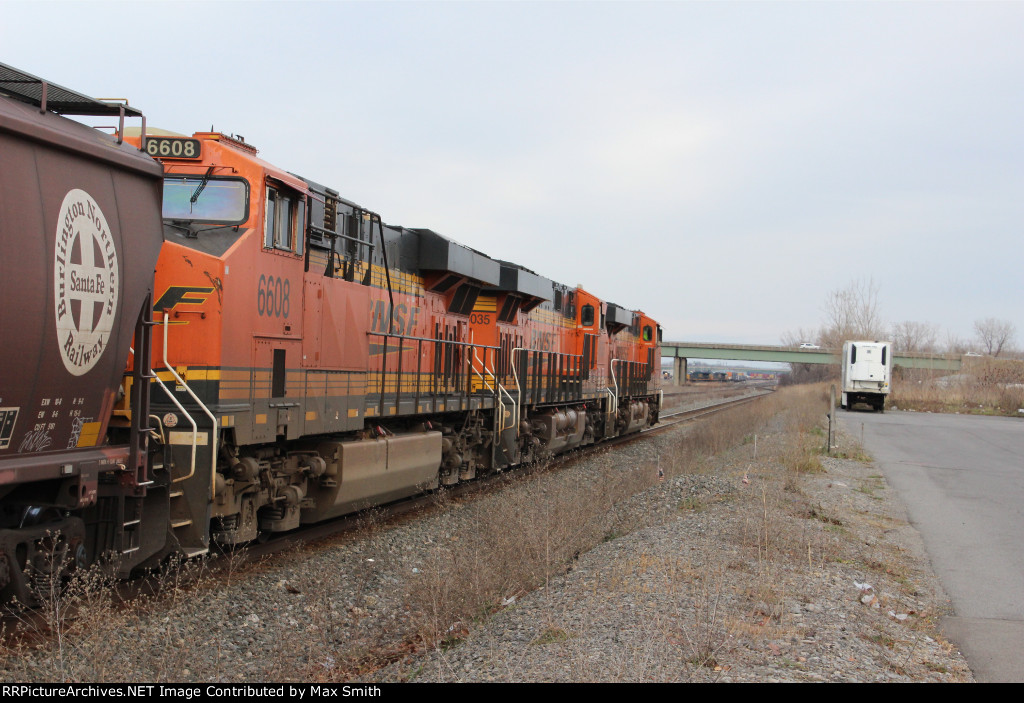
[(335, 234), (453, 342), (519, 390), (615, 395), (195, 432), (515, 410), (551, 373), (183, 411), (515, 370), (483, 365), (160, 424), (500, 389), (213, 419)]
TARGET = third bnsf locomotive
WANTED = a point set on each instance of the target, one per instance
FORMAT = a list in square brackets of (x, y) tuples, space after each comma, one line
[(307, 360)]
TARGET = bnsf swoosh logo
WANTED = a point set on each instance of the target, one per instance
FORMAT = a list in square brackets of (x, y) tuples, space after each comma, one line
[(182, 295)]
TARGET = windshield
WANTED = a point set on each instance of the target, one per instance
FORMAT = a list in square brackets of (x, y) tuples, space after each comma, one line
[(194, 198)]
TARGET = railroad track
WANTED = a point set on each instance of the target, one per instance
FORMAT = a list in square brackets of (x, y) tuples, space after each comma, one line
[(679, 416)]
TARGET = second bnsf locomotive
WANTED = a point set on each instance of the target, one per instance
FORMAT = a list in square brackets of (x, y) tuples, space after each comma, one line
[(308, 360)]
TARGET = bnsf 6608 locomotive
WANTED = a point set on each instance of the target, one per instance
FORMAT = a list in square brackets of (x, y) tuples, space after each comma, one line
[(310, 360)]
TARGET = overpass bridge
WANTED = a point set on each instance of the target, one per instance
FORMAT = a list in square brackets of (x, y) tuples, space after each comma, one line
[(682, 351)]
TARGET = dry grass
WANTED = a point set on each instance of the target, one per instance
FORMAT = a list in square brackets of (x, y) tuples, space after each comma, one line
[(734, 595), (535, 532), (985, 386), (77, 634), (529, 535)]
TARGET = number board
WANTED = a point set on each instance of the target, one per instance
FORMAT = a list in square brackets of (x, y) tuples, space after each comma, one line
[(173, 148)]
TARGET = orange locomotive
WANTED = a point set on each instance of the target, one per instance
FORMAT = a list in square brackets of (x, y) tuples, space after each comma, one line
[(315, 361)]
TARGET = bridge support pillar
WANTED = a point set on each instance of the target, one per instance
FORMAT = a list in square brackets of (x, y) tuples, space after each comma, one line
[(679, 371)]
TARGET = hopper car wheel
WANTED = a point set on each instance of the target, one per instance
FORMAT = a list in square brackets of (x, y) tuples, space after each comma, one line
[(79, 557), (33, 516), (51, 556), (54, 562)]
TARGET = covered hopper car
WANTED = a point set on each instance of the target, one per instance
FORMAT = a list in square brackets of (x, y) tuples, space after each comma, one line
[(81, 231)]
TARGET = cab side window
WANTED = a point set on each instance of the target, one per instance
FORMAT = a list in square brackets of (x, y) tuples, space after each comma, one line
[(285, 222), (587, 315)]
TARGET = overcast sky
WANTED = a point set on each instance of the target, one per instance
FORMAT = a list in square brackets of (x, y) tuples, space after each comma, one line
[(722, 166)]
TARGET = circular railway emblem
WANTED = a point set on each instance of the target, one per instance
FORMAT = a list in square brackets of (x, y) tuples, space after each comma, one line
[(85, 282)]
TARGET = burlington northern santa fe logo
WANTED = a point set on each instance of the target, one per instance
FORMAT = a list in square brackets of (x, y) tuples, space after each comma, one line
[(85, 280)]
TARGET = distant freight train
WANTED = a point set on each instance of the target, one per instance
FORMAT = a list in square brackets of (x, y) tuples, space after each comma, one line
[(717, 376), (308, 360)]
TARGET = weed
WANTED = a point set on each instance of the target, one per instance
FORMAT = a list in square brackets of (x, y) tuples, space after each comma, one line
[(707, 638), (551, 635), (869, 485), (611, 535), (881, 639), (691, 503), (815, 514)]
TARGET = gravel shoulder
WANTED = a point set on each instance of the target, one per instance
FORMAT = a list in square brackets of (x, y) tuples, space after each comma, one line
[(738, 579), (731, 568)]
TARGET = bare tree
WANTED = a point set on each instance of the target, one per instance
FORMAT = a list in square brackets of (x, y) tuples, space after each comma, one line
[(915, 336), (955, 344), (994, 334), (852, 313)]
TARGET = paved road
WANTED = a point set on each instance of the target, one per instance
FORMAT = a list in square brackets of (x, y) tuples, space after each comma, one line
[(962, 480)]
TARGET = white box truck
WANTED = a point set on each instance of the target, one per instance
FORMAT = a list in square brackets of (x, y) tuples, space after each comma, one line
[(866, 373)]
